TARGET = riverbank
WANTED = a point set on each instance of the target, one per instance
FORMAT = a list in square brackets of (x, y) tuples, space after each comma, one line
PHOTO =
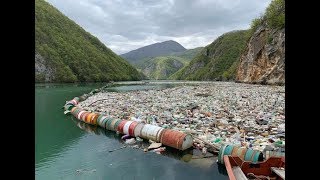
[(218, 112)]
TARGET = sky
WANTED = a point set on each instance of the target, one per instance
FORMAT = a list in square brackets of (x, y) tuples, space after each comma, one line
[(125, 25)]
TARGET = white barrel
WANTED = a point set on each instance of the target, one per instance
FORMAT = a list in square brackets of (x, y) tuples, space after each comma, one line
[(187, 142), (150, 132), (154, 133), (81, 112), (159, 134), (137, 129), (126, 127)]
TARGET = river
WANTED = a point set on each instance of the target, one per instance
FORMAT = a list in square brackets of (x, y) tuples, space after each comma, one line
[(69, 149)]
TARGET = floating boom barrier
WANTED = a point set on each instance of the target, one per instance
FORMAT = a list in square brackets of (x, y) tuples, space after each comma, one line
[(168, 137)]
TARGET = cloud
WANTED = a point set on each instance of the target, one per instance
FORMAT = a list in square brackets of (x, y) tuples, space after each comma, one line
[(124, 25)]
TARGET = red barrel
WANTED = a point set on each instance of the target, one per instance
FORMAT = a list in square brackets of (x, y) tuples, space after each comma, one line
[(132, 126), (94, 119), (121, 126), (176, 139), (126, 127)]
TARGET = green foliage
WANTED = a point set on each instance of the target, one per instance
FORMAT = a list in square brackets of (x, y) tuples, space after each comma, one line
[(162, 67), (275, 14), (217, 60), (73, 53)]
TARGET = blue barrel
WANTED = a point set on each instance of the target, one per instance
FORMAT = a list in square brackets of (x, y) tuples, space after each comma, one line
[(224, 150), (252, 155), (245, 154)]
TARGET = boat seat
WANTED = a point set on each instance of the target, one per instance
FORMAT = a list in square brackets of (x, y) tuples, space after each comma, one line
[(238, 173), (279, 172)]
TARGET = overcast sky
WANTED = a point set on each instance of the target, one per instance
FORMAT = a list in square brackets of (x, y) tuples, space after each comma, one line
[(125, 25)]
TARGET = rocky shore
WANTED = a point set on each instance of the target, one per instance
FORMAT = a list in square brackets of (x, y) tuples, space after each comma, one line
[(217, 112)]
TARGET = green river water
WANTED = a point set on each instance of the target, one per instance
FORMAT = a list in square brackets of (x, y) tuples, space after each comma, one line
[(69, 149)]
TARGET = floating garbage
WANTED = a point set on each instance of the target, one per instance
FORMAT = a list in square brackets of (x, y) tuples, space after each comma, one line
[(212, 110)]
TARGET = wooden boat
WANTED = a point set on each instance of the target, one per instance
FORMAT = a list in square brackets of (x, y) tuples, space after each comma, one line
[(272, 168)]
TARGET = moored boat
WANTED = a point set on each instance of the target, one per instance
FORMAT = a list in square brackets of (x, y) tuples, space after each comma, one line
[(238, 169)]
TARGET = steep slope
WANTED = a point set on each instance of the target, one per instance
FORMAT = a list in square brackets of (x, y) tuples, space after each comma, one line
[(216, 61), (263, 61), (189, 54), (153, 50), (162, 67), (67, 53)]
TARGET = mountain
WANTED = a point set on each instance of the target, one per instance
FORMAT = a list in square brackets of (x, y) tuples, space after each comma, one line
[(153, 50), (64, 52), (216, 61), (188, 54), (263, 60), (161, 67)]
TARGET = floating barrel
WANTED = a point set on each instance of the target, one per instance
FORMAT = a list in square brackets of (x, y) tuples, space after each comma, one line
[(121, 126), (88, 118), (82, 98), (84, 115), (101, 121), (137, 129), (132, 127), (274, 154), (150, 132), (115, 127), (126, 127), (253, 155), (224, 150), (75, 112), (176, 139), (73, 109), (80, 113), (110, 124), (76, 99), (94, 118), (243, 153), (68, 107)]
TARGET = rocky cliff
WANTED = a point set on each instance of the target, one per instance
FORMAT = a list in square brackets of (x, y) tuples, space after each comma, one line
[(263, 61)]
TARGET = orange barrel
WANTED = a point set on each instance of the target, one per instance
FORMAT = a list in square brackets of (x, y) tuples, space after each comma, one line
[(176, 139), (88, 118), (84, 115), (274, 154), (94, 119), (137, 129), (121, 126), (80, 114), (132, 126), (126, 127)]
